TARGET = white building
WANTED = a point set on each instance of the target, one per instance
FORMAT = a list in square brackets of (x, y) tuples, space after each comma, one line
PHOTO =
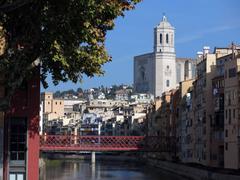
[(142, 98), (69, 103), (160, 71)]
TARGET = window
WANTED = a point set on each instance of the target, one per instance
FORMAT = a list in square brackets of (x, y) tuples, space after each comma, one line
[(229, 98), (167, 83), (226, 133), (234, 113), (226, 114), (167, 38), (56, 103), (17, 176), (142, 73), (226, 146), (232, 72), (225, 74), (18, 130), (230, 116), (48, 102), (160, 38)]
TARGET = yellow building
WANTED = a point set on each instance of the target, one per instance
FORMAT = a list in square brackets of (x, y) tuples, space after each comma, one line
[(232, 112), (215, 96), (202, 107), (52, 108)]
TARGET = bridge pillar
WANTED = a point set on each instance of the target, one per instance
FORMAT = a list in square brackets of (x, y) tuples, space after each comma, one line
[(93, 159)]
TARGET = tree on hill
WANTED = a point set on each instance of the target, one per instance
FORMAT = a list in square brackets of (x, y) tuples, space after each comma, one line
[(79, 90), (57, 94), (67, 38)]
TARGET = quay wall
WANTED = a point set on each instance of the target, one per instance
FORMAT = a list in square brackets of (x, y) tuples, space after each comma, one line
[(192, 173)]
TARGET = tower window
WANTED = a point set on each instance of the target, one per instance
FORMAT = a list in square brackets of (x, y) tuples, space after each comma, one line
[(167, 38), (160, 38), (167, 83), (142, 74)]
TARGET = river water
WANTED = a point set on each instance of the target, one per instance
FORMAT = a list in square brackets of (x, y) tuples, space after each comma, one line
[(102, 170)]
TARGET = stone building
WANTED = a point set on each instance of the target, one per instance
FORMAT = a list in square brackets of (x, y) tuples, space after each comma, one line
[(215, 99), (232, 112), (204, 112), (161, 71), (217, 124), (202, 107), (52, 108), (185, 120)]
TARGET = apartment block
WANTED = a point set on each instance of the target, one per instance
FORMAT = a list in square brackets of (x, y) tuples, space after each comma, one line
[(202, 107), (185, 120), (232, 112), (203, 114), (217, 123)]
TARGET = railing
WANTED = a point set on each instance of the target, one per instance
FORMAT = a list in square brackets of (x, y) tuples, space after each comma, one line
[(106, 143)]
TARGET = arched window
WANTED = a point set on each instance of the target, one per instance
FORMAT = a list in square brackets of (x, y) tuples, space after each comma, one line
[(142, 74), (167, 38), (160, 38)]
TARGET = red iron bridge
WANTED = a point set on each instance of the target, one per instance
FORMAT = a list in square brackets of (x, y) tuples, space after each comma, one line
[(106, 143)]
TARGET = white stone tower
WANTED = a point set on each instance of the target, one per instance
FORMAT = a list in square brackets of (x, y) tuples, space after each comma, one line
[(164, 37), (165, 57), (155, 72)]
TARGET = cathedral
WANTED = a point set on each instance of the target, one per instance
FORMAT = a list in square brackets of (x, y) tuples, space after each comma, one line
[(160, 70)]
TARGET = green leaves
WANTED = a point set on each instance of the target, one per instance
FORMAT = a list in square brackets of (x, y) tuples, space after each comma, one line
[(67, 35)]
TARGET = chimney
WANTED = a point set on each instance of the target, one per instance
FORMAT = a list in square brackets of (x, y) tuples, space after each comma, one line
[(199, 54), (206, 50)]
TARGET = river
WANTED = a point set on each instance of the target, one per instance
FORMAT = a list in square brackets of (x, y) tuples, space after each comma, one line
[(102, 170)]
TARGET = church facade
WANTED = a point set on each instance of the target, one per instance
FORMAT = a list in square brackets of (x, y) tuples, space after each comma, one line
[(160, 70)]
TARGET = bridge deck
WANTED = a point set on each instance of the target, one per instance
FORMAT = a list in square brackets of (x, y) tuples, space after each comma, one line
[(103, 143)]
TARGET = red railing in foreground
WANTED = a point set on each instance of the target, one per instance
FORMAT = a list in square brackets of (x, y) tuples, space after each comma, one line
[(105, 143)]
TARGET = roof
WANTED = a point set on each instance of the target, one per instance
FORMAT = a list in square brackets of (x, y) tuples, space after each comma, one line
[(165, 24), (121, 91), (184, 59)]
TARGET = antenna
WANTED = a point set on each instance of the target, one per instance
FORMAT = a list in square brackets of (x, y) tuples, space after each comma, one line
[(164, 17)]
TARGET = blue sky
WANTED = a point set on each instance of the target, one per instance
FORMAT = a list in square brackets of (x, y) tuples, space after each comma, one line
[(215, 23)]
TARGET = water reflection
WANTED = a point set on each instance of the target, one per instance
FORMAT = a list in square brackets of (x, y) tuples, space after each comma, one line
[(102, 170)]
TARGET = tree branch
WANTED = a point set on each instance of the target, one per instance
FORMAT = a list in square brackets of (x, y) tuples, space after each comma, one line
[(8, 7)]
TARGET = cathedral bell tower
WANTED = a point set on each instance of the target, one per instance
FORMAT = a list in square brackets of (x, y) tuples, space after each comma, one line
[(165, 57), (164, 37), (155, 72)]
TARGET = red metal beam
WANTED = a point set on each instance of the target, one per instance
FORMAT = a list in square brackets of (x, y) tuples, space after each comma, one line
[(106, 143), (90, 143)]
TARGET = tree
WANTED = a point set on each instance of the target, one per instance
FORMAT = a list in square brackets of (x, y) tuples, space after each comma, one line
[(57, 94), (79, 90), (67, 38)]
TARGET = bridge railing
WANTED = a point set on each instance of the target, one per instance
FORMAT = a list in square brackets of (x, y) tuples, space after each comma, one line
[(106, 143)]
